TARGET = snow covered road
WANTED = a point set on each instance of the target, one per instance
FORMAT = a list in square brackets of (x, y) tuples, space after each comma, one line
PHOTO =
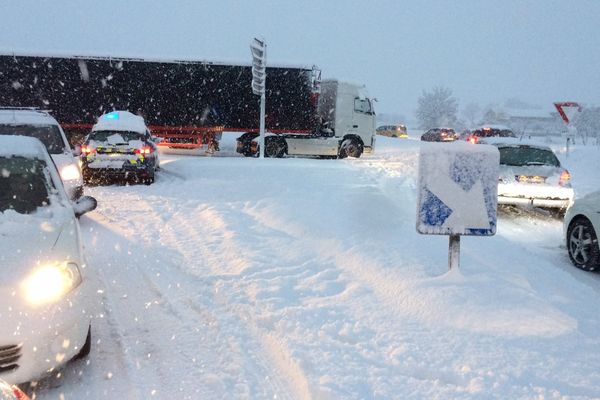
[(235, 278)]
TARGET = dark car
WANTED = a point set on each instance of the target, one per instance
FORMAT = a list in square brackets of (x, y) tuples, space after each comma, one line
[(119, 146), (439, 135), (487, 132)]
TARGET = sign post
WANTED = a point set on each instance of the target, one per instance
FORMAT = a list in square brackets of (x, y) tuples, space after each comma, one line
[(567, 110), (458, 192), (258, 48)]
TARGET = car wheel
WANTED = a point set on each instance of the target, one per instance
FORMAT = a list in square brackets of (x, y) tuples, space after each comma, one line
[(275, 148), (87, 346), (582, 244), (350, 148)]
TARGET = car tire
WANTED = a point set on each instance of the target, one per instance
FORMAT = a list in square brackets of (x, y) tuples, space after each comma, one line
[(350, 148), (87, 346), (274, 148), (582, 244)]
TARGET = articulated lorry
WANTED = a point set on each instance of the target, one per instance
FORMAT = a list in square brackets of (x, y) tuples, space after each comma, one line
[(190, 103)]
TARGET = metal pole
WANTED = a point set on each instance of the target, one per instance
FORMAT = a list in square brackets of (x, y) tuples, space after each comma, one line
[(454, 252), (261, 141)]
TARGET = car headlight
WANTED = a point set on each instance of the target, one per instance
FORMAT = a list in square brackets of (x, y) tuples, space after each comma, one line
[(50, 283), (70, 173)]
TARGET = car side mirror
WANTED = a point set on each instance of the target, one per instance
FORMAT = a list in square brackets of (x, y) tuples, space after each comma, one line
[(83, 205), (77, 151)]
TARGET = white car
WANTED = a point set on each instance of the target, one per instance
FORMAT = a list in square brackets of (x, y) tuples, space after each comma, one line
[(581, 228), (46, 300), (39, 124), (531, 175)]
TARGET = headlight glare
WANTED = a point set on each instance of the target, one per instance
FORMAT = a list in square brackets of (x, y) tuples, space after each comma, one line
[(70, 172), (50, 283)]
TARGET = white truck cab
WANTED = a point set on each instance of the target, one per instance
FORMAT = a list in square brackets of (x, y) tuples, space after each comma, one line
[(347, 126)]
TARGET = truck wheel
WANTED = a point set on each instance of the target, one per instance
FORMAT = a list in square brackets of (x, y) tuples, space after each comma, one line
[(274, 148), (350, 148)]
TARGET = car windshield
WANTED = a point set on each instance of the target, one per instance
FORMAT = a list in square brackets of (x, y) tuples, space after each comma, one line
[(48, 134), (520, 156), (116, 137), (23, 184)]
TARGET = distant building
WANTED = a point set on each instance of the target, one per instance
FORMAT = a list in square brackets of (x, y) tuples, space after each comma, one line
[(535, 122)]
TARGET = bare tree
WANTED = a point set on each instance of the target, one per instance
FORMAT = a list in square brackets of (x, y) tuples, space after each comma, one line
[(471, 114), (437, 108), (587, 123)]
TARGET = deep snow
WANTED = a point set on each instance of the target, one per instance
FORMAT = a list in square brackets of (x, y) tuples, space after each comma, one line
[(237, 278)]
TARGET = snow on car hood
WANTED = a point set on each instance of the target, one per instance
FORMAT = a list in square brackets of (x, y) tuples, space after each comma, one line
[(29, 240)]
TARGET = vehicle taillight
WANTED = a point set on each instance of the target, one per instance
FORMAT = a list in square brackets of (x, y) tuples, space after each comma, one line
[(144, 150), (472, 139), (565, 178), (19, 394), (85, 149)]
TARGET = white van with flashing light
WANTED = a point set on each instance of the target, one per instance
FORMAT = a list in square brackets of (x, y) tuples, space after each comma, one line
[(119, 146)]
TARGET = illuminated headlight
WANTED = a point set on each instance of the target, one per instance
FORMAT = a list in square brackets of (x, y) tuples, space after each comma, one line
[(50, 283), (70, 173)]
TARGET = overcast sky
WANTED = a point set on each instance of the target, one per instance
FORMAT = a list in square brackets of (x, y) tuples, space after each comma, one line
[(537, 51)]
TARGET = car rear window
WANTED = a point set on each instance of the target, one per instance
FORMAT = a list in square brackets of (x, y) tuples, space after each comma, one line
[(23, 184), (47, 134), (494, 133), (116, 136), (520, 156)]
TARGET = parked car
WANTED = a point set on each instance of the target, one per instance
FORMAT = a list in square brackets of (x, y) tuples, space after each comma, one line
[(582, 228), (439, 135), (11, 392), (531, 174), (41, 125), (46, 299), (489, 131), (119, 146), (398, 131)]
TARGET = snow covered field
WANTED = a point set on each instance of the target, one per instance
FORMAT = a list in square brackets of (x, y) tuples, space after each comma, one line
[(237, 278)]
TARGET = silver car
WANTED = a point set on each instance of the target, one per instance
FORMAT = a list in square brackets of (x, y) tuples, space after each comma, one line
[(531, 175)]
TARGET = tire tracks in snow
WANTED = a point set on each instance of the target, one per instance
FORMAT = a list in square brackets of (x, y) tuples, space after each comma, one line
[(199, 261)]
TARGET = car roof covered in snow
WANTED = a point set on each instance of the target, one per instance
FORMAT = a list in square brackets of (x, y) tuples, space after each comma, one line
[(23, 146), (18, 116), (120, 121), (513, 142)]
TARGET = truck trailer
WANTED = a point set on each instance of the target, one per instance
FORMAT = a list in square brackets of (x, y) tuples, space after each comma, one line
[(189, 103)]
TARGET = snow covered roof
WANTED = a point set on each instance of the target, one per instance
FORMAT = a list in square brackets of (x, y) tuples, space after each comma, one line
[(186, 59), (26, 116), (120, 121), (493, 126), (508, 141), (24, 146)]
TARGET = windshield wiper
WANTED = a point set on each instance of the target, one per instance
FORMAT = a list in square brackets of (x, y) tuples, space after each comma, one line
[(535, 163)]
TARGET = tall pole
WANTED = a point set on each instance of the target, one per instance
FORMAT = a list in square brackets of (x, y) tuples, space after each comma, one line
[(261, 142), (258, 49)]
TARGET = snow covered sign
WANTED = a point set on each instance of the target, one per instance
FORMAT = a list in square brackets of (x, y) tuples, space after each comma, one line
[(458, 185)]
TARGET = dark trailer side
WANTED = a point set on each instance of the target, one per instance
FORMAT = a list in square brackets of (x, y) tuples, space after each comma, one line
[(182, 101)]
